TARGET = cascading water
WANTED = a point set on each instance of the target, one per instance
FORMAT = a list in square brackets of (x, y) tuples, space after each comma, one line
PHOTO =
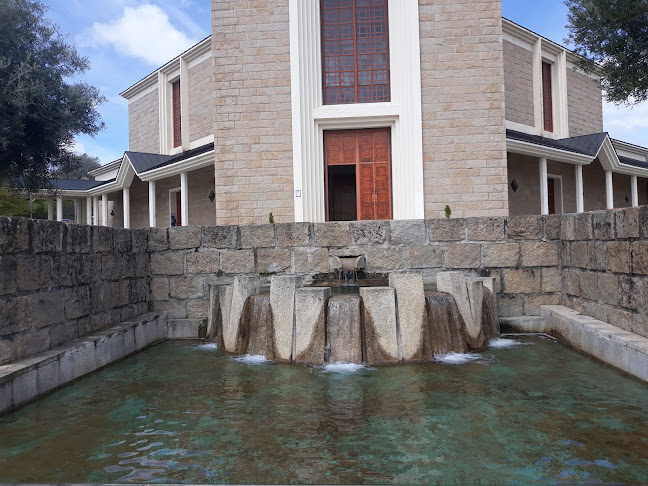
[(490, 323), (446, 326), (255, 336), (344, 333)]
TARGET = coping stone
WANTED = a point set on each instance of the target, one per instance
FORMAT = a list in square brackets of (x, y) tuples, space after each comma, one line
[(379, 312)]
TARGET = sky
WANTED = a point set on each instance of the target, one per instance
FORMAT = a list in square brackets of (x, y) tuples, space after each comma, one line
[(126, 40)]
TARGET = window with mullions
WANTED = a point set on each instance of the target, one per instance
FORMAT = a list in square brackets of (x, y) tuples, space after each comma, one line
[(355, 51)]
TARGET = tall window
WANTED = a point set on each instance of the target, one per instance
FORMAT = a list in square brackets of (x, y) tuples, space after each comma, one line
[(355, 51), (547, 101), (177, 118)]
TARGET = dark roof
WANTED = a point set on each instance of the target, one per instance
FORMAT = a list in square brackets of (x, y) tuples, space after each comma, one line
[(76, 184), (586, 144), (143, 162), (633, 162)]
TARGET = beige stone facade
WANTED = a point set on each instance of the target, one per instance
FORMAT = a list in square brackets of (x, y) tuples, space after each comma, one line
[(518, 79), (585, 104), (462, 79), (201, 109), (144, 123)]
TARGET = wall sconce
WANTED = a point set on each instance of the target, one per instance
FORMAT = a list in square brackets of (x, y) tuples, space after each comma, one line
[(112, 213), (212, 196)]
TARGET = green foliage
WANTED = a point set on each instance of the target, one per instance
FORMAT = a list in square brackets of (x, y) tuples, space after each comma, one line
[(271, 218), (86, 164), (448, 211), (613, 37), (41, 109), (14, 205)]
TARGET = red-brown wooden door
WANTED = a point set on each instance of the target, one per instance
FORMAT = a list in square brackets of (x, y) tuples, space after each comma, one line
[(370, 152)]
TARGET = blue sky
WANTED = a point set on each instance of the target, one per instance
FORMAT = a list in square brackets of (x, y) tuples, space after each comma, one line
[(126, 40)]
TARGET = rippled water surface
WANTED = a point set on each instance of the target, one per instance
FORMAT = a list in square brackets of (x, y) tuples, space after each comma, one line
[(533, 414)]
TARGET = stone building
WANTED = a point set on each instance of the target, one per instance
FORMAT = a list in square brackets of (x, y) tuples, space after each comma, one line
[(325, 110)]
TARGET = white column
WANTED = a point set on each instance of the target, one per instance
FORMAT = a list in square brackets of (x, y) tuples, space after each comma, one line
[(580, 197), (95, 211), (126, 191), (544, 187), (184, 198), (50, 210), (59, 209), (89, 210), (78, 216), (634, 190), (152, 208), (609, 190), (537, 87), (104, 209)]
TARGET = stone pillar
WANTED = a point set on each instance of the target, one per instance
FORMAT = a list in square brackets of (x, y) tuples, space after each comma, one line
[(152, 207), (544, 187), (609, 189), (184, 198), (126, 192), (454, 283), (634, 190), (104, 209), (89, 210), (580, 195), (410, 313), (379, 315), (243, 287), (310, 325), (282, 302), (59, 209), (50, 210)]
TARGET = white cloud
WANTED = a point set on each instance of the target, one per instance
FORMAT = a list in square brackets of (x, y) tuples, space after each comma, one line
[(78, 148), (629, 124), (144, 32)]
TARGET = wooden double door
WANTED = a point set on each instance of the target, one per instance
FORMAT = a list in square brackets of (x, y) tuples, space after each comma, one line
[(358, 174)]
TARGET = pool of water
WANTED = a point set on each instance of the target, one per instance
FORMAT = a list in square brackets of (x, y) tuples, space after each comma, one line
[(535, 413)]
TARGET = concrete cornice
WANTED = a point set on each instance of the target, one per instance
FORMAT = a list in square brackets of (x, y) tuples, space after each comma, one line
[(526, 148)]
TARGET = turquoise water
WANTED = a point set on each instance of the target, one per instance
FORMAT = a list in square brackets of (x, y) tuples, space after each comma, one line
[(537, 413)]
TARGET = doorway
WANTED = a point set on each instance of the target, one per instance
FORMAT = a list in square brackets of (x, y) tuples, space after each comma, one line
[(358, 174)]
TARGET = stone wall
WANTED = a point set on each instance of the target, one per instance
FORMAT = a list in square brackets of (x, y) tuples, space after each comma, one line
[(59, 282), (201, 104), (518, 79), (462, 81), (144, 124), (605, 266), (253, 117), (585, 104)]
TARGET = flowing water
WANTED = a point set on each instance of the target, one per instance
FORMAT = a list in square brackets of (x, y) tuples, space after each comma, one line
[(538, 413), (446, 327), (344, 341)]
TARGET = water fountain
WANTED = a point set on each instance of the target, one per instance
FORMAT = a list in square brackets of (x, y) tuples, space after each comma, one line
[(396, 322)]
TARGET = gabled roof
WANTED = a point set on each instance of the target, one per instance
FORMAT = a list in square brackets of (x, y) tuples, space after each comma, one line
[(144, 162), (586, 144), (76, 184), (633, 162)]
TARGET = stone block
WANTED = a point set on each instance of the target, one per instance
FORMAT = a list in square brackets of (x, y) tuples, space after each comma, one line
[(15, 315), (551, 280), (79, 238), (553, 223), (258, 236), (331, 235), (608, 286), (102, 239), (168, 263), (486, 229), (568, 227), (379, 315), (33, 272), (369, 232), (273, 261), (282, 303), (475, 335), (31, 343), (454, 283), (523, 281), (579, 255), (643, 222), (47, 237), (640, 257), (244, 287), (589, 285), (47, 376), (310, 325), (408, 232), (603, 225), (8, 268), (14, 235), (6, 396), (525, 228), (25, 387), (224, 237), (539, 254), (510, 306), (583, 226), (186, 329), (344, 330), (307, 260), (123, 240), (423, 256), (139, 240), (158, 239), (187, 287), (463, 255), (47, 308), (197, 309), (498, 255), (77, 302), (630, 290), (532, 303), (237, 261), (292, 234), (618, 256), (175, 309), (185, 237), (385, 259), (6, 352), (627, 223), (446, 230), (596, 255), (203, 262), (410, 313)]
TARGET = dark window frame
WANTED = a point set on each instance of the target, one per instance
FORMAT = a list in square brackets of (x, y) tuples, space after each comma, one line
[(547, 97), (177, 114)]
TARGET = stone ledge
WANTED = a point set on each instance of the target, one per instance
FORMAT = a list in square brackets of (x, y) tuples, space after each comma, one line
[(27, 379)]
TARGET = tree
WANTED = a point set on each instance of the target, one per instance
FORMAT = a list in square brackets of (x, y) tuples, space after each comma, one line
[(613, 37), (80, 171), (41, 108)]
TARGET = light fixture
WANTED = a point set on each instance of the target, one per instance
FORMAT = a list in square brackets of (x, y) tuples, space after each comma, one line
[(212, 196), (112, 213), (627, 198), (514, 185)]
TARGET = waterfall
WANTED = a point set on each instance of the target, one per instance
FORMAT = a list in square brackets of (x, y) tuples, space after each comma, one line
[(344, 336), (255, 335), (447, 330), (490, 323)]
